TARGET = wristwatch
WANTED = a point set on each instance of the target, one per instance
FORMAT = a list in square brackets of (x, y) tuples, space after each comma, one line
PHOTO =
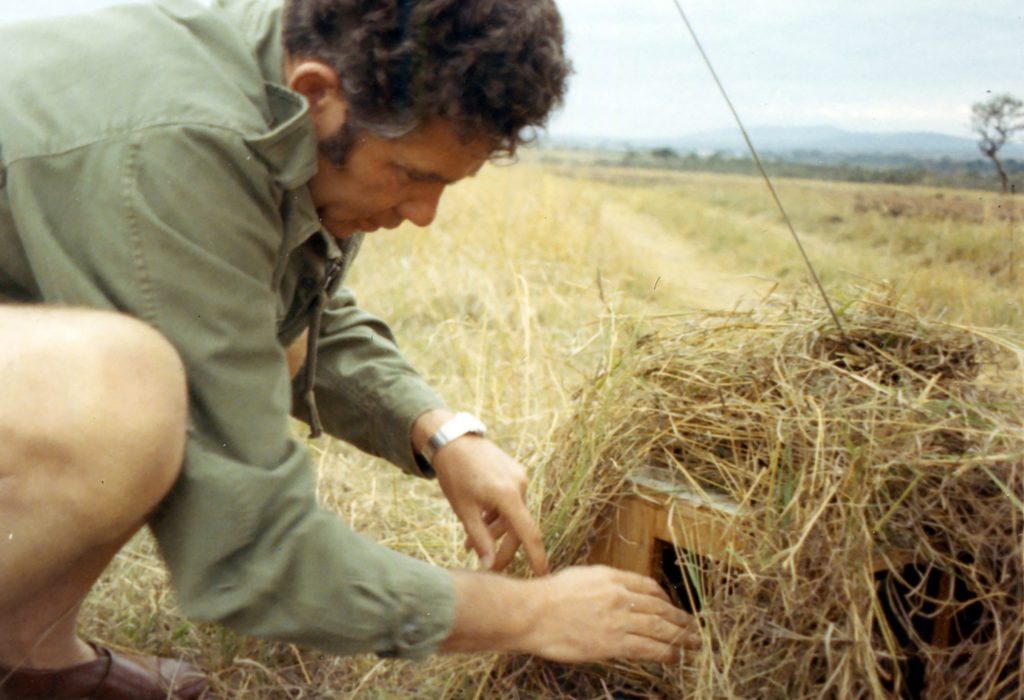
[(457, 426)]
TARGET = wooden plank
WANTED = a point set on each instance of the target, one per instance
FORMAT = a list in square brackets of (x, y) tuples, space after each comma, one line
[(628, 540)]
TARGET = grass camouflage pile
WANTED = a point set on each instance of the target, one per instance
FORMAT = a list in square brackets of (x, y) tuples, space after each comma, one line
[(894, 446)]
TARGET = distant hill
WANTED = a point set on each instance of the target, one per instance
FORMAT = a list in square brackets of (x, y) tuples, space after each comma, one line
[(829, 142), (818, 152)]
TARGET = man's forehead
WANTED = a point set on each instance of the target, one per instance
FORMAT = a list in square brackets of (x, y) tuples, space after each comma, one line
[(435, 152)]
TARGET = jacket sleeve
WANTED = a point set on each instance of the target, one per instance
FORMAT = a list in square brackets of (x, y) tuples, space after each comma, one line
[(367, 393), (180, 227)]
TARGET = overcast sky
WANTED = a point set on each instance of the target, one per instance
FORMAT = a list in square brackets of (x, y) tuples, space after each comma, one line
[(872, 65)]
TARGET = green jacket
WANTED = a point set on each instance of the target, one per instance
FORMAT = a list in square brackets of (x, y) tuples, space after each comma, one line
[(152, 162)]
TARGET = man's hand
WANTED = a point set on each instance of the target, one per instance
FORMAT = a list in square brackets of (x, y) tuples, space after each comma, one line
[(581, 614), (487, 491), (597, 613)]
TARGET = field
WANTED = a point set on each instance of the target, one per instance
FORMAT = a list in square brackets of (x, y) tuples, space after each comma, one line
[(509, 302)]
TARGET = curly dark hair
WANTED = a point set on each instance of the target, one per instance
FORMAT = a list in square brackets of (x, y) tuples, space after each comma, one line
[(496, 68)]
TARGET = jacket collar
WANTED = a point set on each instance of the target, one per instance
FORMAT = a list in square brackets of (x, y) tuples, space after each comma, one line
[(289, 146)]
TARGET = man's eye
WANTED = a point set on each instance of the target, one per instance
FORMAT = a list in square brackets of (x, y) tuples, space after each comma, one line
[(402, 176)]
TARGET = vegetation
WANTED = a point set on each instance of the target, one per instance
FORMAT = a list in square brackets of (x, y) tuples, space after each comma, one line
[(542, 272), (996, 121), (851, 460), (816, 165)]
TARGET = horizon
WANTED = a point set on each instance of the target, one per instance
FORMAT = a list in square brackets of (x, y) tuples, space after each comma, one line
[(809, 127), (780, 139)]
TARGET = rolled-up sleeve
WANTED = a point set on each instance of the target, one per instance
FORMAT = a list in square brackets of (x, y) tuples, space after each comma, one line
[(180, 227)]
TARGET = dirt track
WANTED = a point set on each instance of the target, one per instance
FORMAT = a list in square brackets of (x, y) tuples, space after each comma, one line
[(680, 276)]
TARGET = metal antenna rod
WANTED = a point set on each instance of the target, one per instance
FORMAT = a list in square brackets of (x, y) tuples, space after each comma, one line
[(760, 167)]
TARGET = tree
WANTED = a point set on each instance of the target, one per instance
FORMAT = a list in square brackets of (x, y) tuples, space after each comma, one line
[(995, 121)]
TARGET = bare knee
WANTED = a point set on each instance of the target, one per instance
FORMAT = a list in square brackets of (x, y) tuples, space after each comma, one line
[(136, 390), (97, 404)]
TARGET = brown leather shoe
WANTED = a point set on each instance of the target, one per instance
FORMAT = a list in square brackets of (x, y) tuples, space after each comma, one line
[(111, 676)]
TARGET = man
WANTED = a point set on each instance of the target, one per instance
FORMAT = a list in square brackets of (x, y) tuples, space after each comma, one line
[(182, 189)]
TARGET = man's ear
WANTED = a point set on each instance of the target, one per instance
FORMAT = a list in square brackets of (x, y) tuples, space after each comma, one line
[(319, 84)]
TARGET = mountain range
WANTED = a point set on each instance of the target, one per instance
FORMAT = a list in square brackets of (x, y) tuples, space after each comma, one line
[(806, 140)]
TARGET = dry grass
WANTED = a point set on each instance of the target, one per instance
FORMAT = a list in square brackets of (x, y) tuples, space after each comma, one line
[(509, 303), (949, 254), (897, 442)]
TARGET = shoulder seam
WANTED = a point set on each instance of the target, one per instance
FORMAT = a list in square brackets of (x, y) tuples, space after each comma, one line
[(126, 133)]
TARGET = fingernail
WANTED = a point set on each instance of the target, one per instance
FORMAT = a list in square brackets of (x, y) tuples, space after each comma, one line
[(488, 561)]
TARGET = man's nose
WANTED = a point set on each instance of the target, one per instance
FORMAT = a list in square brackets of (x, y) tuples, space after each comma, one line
[(421, 208)]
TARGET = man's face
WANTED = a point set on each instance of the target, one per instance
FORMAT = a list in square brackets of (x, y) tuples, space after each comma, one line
[(387, 181)]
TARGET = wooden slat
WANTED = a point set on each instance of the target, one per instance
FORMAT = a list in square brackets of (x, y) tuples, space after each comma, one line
[(628, 541), (705, 523)]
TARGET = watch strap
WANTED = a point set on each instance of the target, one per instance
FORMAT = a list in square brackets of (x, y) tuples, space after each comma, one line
[(455, 427)]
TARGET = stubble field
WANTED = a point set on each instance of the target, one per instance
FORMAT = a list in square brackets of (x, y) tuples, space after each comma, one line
[(510, 301)]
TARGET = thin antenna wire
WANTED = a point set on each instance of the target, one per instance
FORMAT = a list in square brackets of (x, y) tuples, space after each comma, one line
[(760, 167)]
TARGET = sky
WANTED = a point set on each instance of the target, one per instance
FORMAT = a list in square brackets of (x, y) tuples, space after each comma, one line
[(866, 65), (863, 65)]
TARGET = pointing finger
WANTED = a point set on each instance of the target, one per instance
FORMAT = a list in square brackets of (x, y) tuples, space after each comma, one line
[(526, 531)]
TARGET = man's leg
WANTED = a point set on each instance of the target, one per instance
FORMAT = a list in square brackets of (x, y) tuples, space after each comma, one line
[(92, 434)]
